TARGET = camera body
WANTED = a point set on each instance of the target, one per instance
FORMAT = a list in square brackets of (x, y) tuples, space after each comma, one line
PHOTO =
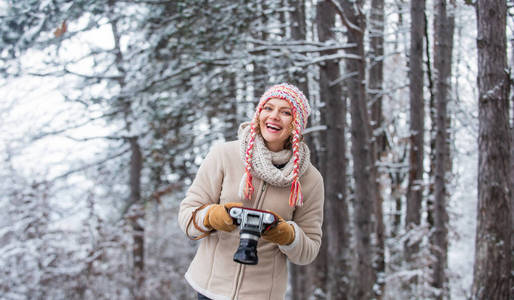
[(252, 223)]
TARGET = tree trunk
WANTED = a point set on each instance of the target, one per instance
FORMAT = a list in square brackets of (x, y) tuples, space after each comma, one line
[(230, 106), (432, 133), (136, 217), (337, 243), (376, 79), (299, 33), (417, 123), (362, 152), (512, 160), (397, 176), (493, 258), (299, 278), (260, 62), (376, 73), (443, 45)]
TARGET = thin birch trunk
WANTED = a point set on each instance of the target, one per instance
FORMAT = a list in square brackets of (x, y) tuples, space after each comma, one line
[(432, 132)]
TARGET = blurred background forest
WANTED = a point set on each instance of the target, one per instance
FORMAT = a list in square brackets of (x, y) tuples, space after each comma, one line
[(108, 107)]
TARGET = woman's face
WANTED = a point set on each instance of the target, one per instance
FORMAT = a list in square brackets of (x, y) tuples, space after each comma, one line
[(275, 123)]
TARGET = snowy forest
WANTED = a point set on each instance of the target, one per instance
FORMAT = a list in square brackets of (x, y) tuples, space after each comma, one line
[(107, 109)]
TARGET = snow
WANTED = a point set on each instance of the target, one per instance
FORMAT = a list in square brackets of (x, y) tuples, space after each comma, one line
[(78, 216), (463, 205)]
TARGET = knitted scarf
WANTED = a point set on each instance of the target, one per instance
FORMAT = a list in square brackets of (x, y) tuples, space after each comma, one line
[(264, 161)]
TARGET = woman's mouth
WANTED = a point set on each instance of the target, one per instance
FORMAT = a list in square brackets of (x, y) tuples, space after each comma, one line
[(273, 127)]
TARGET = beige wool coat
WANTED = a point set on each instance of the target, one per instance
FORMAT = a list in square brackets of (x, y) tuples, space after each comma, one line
[(213, 272)]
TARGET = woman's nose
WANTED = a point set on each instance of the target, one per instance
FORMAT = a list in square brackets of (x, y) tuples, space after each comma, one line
[(274, 114)]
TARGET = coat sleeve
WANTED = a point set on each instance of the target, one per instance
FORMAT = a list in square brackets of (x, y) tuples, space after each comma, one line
[(205, 190), (307, 221)]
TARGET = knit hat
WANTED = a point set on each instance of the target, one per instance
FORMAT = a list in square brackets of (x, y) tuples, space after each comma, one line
[(301, 110)]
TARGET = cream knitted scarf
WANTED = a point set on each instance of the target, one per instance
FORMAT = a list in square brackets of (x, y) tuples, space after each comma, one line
[(264, 161)]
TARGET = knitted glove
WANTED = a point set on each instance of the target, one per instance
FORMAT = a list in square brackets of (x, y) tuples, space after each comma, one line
[(217, 217), (282, 234)]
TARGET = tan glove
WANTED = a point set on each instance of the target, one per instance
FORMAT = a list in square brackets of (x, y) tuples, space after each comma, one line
[(282, 234), (217, 217)]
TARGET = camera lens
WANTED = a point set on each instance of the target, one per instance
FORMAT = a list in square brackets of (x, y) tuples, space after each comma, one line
[(247, 251)]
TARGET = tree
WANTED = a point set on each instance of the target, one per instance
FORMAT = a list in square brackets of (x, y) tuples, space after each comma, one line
[(362, 150), (491, 273), (260, 63), (512, 151), (399, 146), (417, 123), (337, 241), (443, 45), (134, 203), (376, 91), (299, 78)]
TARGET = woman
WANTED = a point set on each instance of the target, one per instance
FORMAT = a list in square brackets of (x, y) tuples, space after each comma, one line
[(267, 168)]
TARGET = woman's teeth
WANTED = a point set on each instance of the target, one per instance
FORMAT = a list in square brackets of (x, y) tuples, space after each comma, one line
[(272, 127)]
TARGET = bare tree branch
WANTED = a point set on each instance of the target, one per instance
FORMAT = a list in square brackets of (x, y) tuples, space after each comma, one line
[(87, 166), (75, 126), (344, 19)]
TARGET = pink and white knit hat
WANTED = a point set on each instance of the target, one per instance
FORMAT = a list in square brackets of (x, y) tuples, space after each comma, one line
[(301, 111)]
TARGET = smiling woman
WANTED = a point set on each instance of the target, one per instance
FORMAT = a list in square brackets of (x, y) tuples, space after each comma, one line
[(271, 156)]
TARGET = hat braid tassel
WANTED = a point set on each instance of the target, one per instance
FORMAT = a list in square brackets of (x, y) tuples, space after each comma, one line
[(296, 197), (248, 191)]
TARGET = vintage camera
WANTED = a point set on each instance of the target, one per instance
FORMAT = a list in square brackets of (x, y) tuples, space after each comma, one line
[(253, 223)]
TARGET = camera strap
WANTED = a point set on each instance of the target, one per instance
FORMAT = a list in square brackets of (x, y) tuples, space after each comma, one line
[(193, 220)]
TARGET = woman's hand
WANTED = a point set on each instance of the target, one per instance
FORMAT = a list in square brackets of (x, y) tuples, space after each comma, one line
[(282, 234), (217, 217)]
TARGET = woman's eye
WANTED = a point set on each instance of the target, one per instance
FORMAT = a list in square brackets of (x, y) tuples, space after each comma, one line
[(267, 108), (287, 113)]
